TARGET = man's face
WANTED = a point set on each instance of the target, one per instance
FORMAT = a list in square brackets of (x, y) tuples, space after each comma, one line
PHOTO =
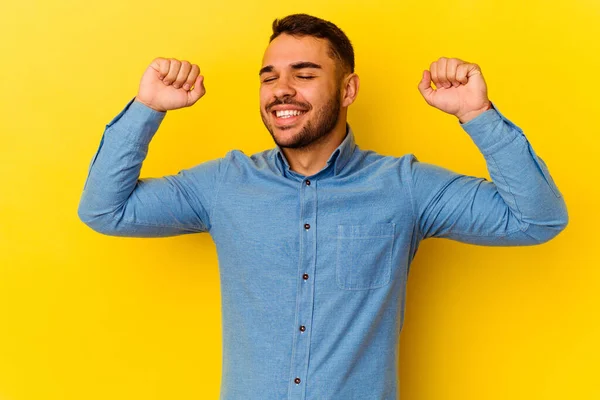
[(299, 90)]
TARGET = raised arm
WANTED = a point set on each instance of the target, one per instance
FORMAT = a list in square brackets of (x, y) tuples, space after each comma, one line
[(115, 201), (521, 206)]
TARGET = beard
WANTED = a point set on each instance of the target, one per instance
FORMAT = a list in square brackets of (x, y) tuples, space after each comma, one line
[(322, 123)]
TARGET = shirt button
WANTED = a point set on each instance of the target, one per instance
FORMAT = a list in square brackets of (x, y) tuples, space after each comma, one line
[(306, 226), (305, 276), (307, 182), (302, 328), (297, 380)]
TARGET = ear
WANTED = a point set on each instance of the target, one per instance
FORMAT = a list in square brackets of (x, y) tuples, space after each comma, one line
[(350, 89)]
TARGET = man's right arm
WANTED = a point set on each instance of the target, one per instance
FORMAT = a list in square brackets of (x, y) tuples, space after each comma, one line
[(116, 202)]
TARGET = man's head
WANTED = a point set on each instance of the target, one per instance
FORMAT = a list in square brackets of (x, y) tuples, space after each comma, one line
[(307, 80)]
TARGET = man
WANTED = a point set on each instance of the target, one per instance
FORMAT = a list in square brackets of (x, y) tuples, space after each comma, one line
[(315, 236)]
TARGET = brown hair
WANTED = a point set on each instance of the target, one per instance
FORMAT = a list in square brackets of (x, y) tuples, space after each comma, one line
[(340, 47)]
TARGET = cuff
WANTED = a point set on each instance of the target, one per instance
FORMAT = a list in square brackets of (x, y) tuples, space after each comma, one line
[(491, 130), (137, 123)]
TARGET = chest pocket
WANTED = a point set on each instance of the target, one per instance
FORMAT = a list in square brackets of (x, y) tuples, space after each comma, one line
[(364, 255)]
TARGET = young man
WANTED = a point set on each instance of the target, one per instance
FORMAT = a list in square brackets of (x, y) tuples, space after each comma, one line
[(315, 236)]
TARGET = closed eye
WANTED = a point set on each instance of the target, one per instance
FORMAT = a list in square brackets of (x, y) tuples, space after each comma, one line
[(301, 77)]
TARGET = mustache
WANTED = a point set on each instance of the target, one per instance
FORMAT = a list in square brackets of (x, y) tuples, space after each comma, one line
[(284, 101)]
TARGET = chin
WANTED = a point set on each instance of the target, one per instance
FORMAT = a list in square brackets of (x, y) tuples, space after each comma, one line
[(284, 140), (287, 136)]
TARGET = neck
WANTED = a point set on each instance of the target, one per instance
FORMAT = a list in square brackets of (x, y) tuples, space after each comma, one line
[(313, 158)]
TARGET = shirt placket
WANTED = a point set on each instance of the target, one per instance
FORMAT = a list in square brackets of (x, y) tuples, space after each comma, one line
[(305, 292)]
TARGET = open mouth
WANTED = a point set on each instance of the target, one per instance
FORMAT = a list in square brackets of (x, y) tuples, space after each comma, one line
[(287, 117)]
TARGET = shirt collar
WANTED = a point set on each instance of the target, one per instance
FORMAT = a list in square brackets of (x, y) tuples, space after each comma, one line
[(339, 157)]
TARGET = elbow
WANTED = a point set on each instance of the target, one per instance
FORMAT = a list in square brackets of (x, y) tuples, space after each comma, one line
[(97, 221), (544, 232), (564, 221), (552, 231), (561, 221)]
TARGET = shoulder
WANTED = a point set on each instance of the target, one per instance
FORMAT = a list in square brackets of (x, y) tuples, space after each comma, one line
[(238, 163), (239, 157), (377, 161)]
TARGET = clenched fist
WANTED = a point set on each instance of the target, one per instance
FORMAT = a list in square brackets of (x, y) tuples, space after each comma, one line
[(169, 84), (461, 88)]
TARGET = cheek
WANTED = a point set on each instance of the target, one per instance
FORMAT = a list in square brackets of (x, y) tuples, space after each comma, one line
[(262, 93), (315, 96)]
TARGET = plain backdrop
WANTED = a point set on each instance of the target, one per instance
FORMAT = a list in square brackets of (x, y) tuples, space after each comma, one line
[(87, 316)]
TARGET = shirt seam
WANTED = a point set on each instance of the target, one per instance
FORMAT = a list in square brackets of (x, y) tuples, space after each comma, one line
[(498, 146), (121, 207), (518, 229), (520, 216), (413, 205), (217, 190), (136, 223), (294, 354), (131, 142)]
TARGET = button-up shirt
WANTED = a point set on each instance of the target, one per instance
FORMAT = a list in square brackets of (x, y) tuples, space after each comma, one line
[(313, 269)]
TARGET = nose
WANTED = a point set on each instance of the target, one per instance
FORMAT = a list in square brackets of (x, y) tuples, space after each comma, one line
[(283, 88)]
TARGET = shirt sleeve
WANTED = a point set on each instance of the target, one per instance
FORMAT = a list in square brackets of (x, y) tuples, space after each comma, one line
[(116, 202), (521, 206)]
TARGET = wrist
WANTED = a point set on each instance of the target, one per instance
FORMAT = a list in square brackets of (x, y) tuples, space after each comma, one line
[(466, 117), (148, 105)]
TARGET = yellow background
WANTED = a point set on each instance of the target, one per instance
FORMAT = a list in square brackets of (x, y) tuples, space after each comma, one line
[(87, 316)]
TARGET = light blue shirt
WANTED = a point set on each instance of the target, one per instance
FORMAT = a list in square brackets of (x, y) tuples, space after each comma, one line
[(313, 269)]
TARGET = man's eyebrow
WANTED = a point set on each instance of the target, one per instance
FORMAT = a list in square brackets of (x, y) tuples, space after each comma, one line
[(268, 68), (305, 64), (298, 65)]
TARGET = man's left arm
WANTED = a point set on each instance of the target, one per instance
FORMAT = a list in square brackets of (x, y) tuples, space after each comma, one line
[(522, 206)]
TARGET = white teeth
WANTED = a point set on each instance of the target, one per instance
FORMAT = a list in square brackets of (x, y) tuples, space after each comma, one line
[(288, 113)]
